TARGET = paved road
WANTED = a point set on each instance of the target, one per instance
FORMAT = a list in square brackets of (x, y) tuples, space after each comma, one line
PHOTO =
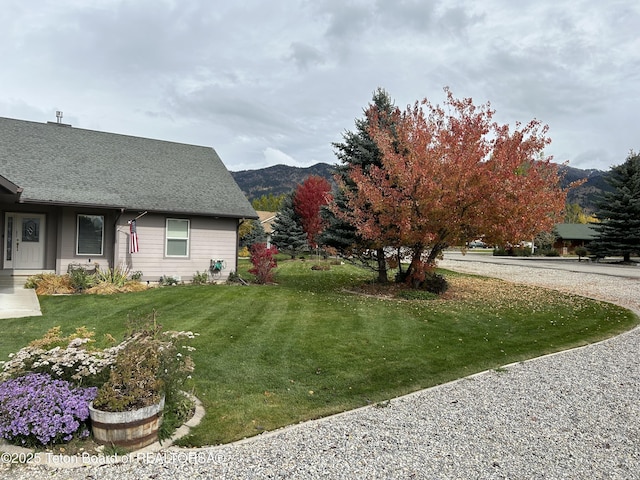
[(553, 263)]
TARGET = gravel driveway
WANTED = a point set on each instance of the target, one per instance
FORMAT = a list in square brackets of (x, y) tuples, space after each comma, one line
[(572, 415)]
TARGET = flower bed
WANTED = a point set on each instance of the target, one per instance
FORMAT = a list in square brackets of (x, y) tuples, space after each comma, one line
[(70, 358), (47, 386), (79, 280), (36, 409)]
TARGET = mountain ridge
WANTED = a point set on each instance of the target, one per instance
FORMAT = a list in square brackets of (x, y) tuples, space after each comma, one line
[(279, 179)]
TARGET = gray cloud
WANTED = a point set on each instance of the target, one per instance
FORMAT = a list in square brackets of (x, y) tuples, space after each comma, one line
[(262, 81), (305, 55)]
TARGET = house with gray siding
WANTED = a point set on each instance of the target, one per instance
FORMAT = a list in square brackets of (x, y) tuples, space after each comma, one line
[(69, 196)]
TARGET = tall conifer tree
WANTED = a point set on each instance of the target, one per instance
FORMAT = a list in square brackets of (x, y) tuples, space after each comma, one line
[(358, 149), (619, 213), (288, 234)]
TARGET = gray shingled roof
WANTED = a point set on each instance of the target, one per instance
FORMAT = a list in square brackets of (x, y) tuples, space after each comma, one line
[(575, 231), (60, 164)]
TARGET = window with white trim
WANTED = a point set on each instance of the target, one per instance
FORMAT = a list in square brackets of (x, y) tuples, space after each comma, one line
[(177, 235), (90, 235)]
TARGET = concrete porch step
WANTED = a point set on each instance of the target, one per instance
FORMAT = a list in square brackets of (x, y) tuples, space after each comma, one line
[(17, 278), (12, 282)]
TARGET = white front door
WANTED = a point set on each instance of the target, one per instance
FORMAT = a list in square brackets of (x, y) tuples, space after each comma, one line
[(24, 240)]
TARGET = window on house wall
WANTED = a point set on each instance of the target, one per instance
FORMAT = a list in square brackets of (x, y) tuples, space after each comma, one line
[(9, 238), (177, 237), (90, 235)]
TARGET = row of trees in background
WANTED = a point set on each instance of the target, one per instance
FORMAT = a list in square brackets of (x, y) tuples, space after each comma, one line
[(268, 203), (574, 213), (412, 182)]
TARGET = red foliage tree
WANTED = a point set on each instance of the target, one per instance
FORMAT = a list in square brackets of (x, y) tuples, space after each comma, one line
[(310, 196), (449, 176)]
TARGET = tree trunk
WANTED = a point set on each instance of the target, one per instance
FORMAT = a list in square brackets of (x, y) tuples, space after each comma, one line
[(435, 253), (382, 266), (416, 260)]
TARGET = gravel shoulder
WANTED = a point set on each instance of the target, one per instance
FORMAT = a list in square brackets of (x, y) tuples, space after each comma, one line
[(571, 415)]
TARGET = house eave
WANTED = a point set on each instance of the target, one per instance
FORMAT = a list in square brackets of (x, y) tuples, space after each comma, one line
[(10, 187), (122, 208), (54, 203)]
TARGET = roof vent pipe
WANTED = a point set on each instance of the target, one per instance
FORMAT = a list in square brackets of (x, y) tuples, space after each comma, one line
[(59, 116)]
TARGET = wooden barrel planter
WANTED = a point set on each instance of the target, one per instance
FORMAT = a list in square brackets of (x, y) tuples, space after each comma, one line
[(131, 430)]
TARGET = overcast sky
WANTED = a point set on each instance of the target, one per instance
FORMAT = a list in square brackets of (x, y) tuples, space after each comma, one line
[(268, 82)]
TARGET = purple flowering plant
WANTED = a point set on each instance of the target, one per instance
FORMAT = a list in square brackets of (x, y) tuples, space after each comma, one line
[(36, 409)]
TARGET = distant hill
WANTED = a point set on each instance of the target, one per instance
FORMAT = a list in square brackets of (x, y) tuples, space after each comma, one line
[(283, 179), (278, 179), (586, 194)]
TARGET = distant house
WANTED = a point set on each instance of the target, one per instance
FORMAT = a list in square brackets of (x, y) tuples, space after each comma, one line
[(266, 220), (69, 196), (569, 236)]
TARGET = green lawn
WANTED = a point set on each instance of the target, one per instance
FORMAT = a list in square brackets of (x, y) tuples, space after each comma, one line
[(268, 356)]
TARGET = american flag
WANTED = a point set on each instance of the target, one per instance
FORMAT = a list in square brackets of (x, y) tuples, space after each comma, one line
[(133, 237)]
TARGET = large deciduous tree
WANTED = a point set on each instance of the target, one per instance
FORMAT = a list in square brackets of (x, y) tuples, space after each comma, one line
[(450, 174), (619, 213), (308, 200)]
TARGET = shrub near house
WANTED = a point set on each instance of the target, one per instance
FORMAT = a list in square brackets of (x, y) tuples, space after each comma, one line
[(78, 280)]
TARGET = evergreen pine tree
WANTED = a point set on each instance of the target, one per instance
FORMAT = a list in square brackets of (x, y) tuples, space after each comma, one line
[(619, 213), (255, 235), (288, 234), (358, 149)]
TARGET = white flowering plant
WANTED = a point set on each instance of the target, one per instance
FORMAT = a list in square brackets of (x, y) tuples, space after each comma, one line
[(72, 358)]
